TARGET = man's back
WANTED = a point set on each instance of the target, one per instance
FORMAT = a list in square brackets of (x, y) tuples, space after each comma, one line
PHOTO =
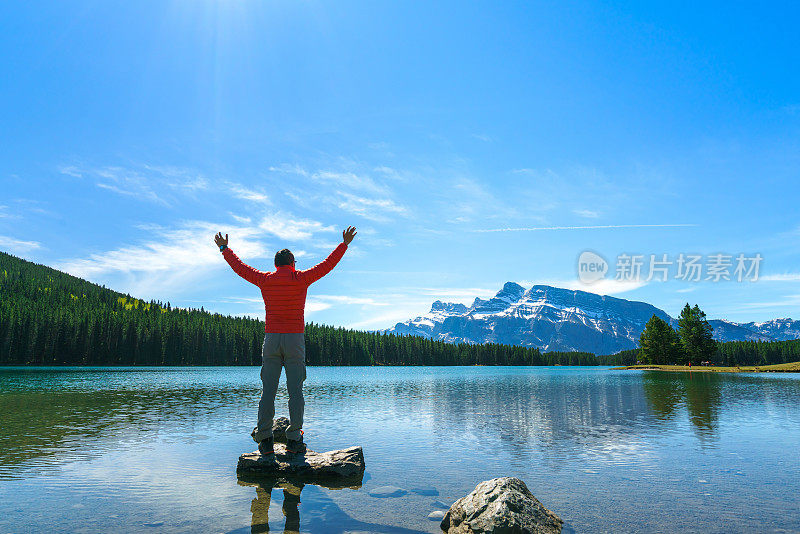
[(284, 289)]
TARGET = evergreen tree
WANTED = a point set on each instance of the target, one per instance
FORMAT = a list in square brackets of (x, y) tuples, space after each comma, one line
[(696, 335), (659, 343)]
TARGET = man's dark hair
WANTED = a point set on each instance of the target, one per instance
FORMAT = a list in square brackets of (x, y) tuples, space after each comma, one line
[(284, 257)]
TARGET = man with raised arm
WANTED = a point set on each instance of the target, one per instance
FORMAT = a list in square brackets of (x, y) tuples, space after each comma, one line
[(284, 292)]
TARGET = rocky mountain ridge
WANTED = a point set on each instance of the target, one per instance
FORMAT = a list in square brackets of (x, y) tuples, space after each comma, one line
[(553, 318)]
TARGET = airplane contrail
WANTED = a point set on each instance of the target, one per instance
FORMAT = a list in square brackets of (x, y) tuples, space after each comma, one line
[(593, 227)]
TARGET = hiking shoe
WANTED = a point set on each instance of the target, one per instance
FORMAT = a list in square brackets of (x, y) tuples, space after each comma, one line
[(265, 447), (295, 446)]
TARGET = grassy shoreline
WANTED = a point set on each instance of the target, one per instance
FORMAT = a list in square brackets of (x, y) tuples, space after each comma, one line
[(792, 367)]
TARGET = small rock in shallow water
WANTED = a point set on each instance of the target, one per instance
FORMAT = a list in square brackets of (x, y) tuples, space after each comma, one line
[(427, 491), (440, 504), (387, 491), (437, 515)]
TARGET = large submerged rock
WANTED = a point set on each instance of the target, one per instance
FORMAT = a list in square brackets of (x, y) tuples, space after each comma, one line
[(500, 506), (345, 464)]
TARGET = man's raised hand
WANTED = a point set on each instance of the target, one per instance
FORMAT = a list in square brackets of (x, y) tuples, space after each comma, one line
[(219, 240), (348, 235)]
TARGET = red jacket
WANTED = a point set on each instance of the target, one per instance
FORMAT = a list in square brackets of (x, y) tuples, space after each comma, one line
[(284, 290)]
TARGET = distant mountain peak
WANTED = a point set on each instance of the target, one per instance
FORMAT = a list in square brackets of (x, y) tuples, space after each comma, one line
[(554, 318), (454, 307), (477, 302), (511, 288)]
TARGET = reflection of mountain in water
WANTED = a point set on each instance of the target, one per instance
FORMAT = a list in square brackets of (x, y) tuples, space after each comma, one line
[(534, 411), (598, 413)]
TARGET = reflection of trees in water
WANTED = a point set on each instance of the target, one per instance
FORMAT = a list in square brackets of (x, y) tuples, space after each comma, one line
[(666, 392), (703, 401), (80, 424)]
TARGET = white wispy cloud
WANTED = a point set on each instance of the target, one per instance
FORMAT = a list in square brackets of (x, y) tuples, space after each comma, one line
[(245, 193), (389, 172), (71, 170), (350, 180), (374, 209), (173, 259), (179, 177), (286, 168), (285, 226), (323, 302), (349, 191), (18, 246), (789, 300), (785, 277), (241, 219), (168, 250), (313, 306), (584, 227), (386, 320), (127, 182), (139, 192), (350, 300), (150, 183), (588, 214)]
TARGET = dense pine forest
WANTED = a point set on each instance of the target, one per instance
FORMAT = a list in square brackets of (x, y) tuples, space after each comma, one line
[(757, 352), (48, 317)]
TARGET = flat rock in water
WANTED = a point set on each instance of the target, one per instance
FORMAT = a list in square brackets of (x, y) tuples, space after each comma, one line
[(436, 515), (344, 464), (427, 491), (500, 505), (387, 491)]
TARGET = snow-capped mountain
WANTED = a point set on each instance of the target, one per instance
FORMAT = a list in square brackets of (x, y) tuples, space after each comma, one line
[(552, 319), (780, 329)]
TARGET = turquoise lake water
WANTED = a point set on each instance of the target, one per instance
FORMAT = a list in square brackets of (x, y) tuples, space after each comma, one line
[(155, 449)]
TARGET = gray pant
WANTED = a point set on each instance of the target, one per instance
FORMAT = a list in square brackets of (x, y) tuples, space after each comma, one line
[(288, 351)]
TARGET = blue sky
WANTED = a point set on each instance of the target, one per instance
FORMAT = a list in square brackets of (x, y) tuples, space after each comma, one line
[(470, 143)]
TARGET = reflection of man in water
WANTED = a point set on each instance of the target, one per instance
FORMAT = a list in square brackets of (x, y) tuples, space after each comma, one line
[(260, 507), (284, 292)]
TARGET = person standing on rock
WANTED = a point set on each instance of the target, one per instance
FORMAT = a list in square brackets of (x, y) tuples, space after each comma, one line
[(284, 292)]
